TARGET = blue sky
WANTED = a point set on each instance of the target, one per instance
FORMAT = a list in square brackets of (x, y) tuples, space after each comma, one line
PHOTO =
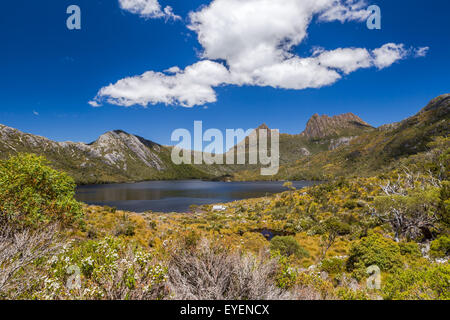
[(49, 73)]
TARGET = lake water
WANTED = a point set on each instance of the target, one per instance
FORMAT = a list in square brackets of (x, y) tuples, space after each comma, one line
[(176, 196)]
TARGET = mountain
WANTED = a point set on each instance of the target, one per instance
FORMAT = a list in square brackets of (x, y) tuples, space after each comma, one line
[(320, 127), (409, 142), (116, 156), (328, 147), (322, 133)]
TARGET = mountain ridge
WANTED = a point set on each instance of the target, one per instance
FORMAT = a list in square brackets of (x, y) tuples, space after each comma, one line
[(341, 142), (393, 146), (116, 156), (319, 127)]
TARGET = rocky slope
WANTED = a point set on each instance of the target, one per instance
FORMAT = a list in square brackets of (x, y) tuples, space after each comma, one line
[(115, 156), (407, 143), (329, 146), (320, 127)]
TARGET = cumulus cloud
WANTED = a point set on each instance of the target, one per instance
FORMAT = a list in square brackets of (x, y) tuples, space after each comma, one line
[(388, 54), (188, 87), (250, 42), (148, 9), (351, 10), (346, 60)]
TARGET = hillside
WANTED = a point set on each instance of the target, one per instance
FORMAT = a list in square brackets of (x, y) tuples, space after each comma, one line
[(341, 145), (319, 127), (408, 142), (321, 134), (116, 156)]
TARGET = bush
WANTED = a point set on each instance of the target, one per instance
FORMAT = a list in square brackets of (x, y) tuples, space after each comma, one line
[(212, 272), (110, 269), (345, 293), (440, 247), (126, 227), (319, 288), (426, 283), (410, 249), (288, 246), (287, 275), (411, 210), (333, 266), (190, 239), (445, 203), (374, 249), (19, 250), (32, 193)]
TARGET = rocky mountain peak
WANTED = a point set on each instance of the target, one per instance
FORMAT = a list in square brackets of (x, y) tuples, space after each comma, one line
[(263, 127), (442, 102), (325, 126)]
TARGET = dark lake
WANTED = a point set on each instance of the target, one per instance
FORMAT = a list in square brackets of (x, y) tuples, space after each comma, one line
[(176, 196)]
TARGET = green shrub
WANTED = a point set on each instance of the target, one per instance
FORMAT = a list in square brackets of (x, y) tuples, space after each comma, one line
[(410, 249), (345, 293), (126, 227), (279, 213), (102, 269), (425, 283), (333, 265), (32, 193), (440, 247), (288, 246), (407, 211), (287, 275), (445, 203), (191, 239), (374, 249)]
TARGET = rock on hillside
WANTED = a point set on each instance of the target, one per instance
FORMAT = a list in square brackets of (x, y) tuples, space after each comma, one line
[(319, 127), (116, 156), (118, 148)]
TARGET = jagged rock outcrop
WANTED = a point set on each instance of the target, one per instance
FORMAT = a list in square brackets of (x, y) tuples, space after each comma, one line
[(118, 147), (319, 127), (305, 152), (343, 141), (441, 104)]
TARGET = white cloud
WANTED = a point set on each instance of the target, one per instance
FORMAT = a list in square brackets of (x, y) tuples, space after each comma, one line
[(192, 86), (351, 10), (388, 54), (94, 104), (421, 52), (250, 42), (347, 60), (35, 113), (148, 9)]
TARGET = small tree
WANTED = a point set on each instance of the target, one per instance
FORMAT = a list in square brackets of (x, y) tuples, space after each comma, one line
[(287, 246), (332, 228), (410, 205)]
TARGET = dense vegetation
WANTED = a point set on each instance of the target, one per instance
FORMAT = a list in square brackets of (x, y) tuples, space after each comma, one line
[(327, 236), (32, 194), (393, 146), (382, 232)]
